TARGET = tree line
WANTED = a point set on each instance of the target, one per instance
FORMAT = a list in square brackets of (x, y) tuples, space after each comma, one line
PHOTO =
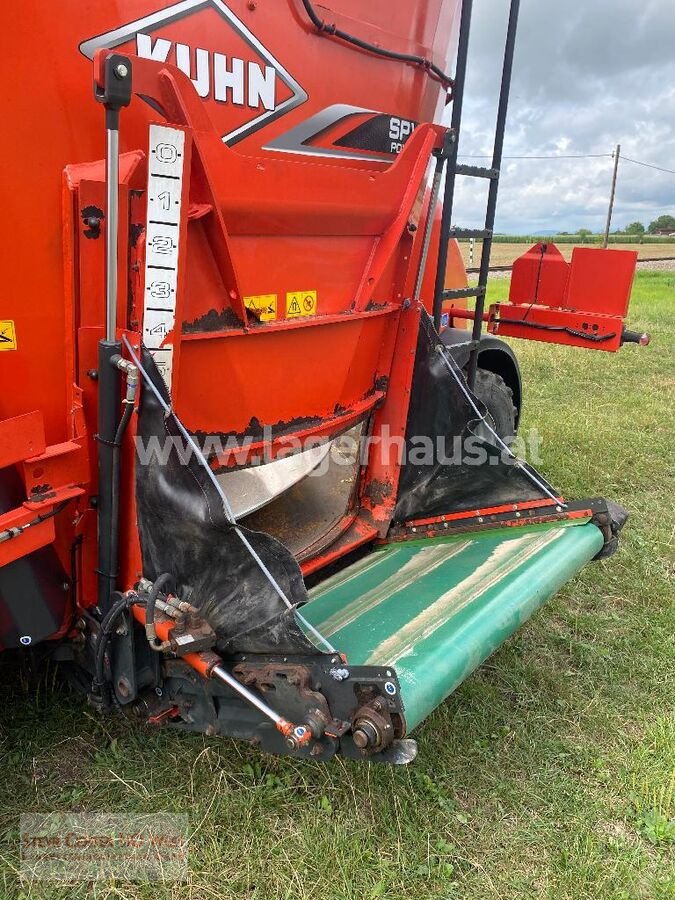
[(663, 223)]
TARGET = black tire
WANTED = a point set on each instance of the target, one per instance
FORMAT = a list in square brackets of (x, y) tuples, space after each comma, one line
[(498, 397)]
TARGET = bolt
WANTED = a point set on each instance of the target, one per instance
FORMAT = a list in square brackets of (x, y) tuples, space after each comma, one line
[(159, 691), (93, 374), (390, 688), (339, 674), (26, 640), (121, 70), (360, 739), (66, 585), (365, 735)]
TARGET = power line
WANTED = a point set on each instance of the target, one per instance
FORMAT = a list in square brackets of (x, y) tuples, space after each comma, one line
[(648, 165), (575, 156), (637, 162)]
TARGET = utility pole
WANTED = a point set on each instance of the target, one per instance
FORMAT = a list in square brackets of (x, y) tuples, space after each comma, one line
[(617, 156)]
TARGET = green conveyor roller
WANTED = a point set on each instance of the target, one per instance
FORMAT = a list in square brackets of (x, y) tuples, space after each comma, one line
[(435, 609)]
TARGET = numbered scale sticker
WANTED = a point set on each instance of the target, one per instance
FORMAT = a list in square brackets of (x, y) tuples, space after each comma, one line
[(166, 165)]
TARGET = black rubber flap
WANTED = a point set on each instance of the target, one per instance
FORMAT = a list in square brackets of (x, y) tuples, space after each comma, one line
[(184, 531), (440, 412)]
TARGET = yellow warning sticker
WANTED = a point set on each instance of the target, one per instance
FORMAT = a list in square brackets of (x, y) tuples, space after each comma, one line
[(300, 303), (7, 335), (264, 306)]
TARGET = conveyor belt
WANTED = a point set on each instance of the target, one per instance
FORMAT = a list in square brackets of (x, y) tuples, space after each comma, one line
[(434, 610)]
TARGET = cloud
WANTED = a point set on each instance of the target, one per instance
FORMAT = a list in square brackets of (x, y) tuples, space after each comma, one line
[(587, 75)]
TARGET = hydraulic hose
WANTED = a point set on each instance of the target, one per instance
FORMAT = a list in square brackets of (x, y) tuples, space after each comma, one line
[(108, 625), (165, 580), (110, 440), (115, 504), (10, 533), (333, 31)]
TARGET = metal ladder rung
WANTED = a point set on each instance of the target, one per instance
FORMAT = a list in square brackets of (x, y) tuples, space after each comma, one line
[(458, 293), (470, 232), (477, 172)]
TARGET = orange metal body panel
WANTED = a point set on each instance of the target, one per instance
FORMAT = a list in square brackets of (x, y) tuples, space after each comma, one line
[(260, 219), (579, 304), (601, 280), (595, 281), (21, 437), (56, 123)]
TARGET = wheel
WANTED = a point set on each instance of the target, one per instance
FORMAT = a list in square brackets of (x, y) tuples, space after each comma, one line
[(498, 397)]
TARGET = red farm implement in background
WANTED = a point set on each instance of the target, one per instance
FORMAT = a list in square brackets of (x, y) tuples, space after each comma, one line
[(230, 264)]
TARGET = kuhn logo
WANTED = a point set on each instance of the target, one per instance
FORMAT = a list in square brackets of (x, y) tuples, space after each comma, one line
[(243, 84)]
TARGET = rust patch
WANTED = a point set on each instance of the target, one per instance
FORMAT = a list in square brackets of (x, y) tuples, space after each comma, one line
[(136, 229), (378, 491), (213, 321), (41, 491), (238, 442)]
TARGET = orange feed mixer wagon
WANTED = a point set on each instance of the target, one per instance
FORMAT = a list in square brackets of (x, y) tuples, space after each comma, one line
[(223, 267)]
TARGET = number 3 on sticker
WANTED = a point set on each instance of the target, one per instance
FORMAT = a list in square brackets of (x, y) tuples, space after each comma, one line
[(300, 303)]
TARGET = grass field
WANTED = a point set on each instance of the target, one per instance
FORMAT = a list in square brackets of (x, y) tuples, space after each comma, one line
[(503, 254), (549, 774)]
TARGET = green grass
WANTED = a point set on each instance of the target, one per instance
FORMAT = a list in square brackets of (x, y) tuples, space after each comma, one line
[(550, 773)]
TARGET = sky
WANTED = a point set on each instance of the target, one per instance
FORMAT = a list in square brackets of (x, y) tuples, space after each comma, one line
[(588, 75)]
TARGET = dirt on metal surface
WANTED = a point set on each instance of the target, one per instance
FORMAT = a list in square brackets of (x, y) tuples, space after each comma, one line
[(313, 507)]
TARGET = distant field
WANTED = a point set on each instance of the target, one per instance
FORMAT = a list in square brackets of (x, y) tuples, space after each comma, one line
[(504, 254)]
